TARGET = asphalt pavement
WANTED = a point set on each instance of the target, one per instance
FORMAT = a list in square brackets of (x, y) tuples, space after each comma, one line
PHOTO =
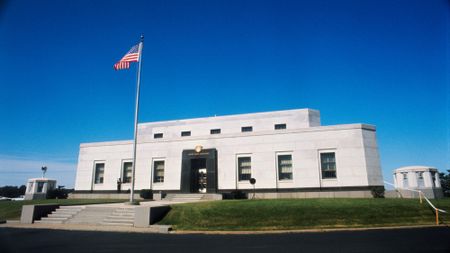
[(431, 239)]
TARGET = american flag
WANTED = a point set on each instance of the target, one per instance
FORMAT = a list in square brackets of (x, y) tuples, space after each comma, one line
[(131, 56)]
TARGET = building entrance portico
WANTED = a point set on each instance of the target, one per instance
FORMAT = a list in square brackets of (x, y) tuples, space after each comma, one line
[(199, 171)]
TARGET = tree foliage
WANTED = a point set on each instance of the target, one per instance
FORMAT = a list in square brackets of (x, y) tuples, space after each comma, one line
[(59, 193), (12, 191), (445, 183)]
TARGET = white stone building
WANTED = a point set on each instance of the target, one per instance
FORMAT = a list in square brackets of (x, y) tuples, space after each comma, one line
[(288, 153), (423, 178), (37, 188)]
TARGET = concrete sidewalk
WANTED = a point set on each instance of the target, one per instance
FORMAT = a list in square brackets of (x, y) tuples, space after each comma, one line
[(109, 228), (150, 203), (161, 229)]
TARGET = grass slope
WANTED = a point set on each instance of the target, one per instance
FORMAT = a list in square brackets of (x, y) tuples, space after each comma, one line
[(289, 214), (12, 209)]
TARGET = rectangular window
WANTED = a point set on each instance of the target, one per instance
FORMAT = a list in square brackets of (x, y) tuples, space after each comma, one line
[(215, 131), (157, 136), (405, 180), (285, 167), (127, 172), (99, 172), (244, 168), (328, 165), (186, 133), (280, 126), (247, 129), (420, 182), (40, 186), (158, 167)]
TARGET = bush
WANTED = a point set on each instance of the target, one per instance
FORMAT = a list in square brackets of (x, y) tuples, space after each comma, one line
[(146, 194), (235, 195), (377, 192), (59, 193)]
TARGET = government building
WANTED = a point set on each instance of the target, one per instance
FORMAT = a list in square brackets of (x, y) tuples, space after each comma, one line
[(288, 153)]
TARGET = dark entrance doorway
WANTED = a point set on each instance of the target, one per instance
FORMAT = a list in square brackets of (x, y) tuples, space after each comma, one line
[(199, 179), (199, 171)]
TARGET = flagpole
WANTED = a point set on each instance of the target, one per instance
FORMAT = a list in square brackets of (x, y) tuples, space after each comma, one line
[(136, 115)]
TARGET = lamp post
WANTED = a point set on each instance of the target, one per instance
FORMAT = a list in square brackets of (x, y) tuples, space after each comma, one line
[(253, 182)]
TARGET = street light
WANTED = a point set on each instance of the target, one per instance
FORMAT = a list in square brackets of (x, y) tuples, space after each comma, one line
[(253, 182)]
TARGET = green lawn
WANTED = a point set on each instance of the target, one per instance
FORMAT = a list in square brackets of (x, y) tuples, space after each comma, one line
[(11, 209), (289, 214)]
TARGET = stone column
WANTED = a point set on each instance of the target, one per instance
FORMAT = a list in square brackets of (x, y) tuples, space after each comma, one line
[(395, 181), (412, 179), (427, 179), (34, 187), (438, 180), (400, 180)]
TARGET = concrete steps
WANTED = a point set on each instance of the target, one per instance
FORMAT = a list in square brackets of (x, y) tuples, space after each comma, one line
[(120, 217), (91, 215), (184, 197), (61, 215)]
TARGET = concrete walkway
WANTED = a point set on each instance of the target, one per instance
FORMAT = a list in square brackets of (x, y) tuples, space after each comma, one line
[(86, 227), (162, 229), (146, 203), (106, 228)]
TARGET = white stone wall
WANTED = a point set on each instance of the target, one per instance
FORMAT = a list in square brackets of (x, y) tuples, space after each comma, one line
[(355, 147), (261, 122), (413, 176)]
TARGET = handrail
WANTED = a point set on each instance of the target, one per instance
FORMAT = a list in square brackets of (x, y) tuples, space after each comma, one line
[(421, 194)]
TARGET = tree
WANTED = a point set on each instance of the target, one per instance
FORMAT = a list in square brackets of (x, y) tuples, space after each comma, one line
[(445, 183), (59, 193), (12, 191)]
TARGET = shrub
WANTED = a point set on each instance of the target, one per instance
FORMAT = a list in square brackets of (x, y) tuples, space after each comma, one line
[(235, 195), (146, 194), (377, 191), (58, 193)]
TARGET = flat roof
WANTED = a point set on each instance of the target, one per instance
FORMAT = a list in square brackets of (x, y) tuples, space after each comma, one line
[(257, 115)]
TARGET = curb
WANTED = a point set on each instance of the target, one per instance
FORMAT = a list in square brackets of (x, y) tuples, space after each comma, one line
[(317, 230), (167, 229)]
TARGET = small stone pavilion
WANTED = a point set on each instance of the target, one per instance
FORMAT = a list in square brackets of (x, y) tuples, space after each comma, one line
[(37, 188), (419, 178)]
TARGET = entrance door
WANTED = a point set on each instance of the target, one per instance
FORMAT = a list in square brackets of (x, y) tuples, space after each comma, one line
[(198, 175), (199, 171)]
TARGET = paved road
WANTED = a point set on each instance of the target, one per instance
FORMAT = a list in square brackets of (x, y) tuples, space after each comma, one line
[(384, 241)]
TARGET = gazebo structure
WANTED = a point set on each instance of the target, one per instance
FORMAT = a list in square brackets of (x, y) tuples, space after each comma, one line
[(37, 188), (418, 178)]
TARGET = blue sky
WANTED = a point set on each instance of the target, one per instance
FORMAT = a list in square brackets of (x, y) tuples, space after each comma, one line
[(377, 62)]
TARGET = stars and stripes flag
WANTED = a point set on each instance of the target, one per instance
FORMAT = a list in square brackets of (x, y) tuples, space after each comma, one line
[(131, 56)]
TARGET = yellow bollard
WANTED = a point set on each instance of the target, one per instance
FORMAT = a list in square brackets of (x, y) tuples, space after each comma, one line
[(437, 217), (420, 197)]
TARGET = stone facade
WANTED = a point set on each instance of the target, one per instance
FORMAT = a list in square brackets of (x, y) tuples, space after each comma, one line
[(288, 153), (37, 188), (422, 178)]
